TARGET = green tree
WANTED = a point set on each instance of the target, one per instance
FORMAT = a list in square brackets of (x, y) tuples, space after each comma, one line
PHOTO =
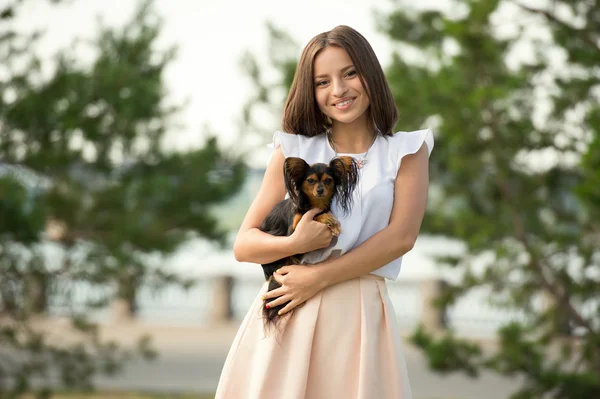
[(269, 94), (538, 222), (89, 195)]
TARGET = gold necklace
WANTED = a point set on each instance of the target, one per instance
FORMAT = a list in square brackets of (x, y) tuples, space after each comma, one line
[(360, 162)]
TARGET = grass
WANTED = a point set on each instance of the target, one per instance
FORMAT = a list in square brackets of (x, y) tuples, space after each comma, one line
[(122, 395)]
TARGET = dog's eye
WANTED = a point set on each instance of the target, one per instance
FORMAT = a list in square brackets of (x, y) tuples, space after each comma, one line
[(329, 180), (311, 181)]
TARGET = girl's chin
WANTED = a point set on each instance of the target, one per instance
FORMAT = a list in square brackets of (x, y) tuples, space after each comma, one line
[(346, 119)]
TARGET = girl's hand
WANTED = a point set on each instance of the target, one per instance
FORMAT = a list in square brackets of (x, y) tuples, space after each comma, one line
[(299, 283), (311, 235)]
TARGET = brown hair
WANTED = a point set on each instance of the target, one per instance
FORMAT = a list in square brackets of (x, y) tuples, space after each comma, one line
[(301, 114)]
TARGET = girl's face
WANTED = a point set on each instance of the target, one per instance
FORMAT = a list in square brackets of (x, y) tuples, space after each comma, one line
[(338, 90)]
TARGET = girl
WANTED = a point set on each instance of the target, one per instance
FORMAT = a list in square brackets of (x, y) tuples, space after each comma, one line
[(344, 341)]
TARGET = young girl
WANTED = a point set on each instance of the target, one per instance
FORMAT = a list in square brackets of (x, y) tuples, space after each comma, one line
[(344, 341)]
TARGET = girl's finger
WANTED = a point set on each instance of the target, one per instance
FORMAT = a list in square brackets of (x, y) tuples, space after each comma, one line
[(278, 277), (287, 308), (273, 294), (279, 301)]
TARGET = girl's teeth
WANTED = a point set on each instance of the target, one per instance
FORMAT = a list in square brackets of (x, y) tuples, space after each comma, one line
[(343, 103)]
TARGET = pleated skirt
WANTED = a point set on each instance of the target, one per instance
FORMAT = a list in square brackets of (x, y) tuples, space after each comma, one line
[(342, 343)]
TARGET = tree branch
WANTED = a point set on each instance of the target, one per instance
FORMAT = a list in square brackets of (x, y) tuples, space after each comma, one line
[(583, 34), (521, 235)]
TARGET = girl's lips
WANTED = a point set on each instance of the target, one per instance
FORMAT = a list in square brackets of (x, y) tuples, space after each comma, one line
[(344, 104)]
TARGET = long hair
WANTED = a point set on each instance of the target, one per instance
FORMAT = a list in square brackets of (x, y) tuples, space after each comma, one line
[(301, 114)]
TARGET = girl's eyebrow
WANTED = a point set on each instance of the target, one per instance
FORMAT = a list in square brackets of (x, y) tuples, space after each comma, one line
[(344, 69)]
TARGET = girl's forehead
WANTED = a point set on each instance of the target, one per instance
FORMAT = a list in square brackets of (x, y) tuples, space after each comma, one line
[(330, 59)]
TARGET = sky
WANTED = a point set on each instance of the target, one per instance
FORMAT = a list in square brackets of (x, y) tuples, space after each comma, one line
[(211, 37)]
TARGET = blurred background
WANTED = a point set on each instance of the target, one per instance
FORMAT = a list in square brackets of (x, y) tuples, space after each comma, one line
[(133, 137)]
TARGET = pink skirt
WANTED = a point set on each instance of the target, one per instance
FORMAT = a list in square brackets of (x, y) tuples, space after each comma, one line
[(342, 343)]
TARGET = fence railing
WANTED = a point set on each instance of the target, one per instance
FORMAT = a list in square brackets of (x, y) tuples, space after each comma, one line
[(226, 299)]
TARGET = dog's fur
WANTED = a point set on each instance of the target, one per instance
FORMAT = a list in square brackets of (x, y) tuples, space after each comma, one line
[(309, 186)]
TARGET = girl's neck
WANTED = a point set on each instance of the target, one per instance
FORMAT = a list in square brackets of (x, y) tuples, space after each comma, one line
[(354, 137)]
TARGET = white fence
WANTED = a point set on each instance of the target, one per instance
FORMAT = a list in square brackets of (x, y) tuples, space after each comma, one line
[(210, 300)]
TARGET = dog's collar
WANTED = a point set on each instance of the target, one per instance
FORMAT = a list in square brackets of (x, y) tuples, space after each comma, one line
[(321, 213)]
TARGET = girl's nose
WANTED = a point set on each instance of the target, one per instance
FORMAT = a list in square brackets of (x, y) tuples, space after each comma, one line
[(339, 88)]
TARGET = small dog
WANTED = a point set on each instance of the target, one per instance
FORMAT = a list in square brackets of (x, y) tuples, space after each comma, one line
[(308, 186)]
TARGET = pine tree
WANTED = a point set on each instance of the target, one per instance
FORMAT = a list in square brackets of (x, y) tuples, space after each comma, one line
[(530, 223), (90, 196)]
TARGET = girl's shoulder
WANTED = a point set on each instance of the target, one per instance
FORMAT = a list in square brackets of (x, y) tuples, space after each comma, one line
[(294, 145), (402, 143)]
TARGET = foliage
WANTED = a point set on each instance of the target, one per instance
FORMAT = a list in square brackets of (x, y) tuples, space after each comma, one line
[(270, 94), (515, 176), (90, 198)]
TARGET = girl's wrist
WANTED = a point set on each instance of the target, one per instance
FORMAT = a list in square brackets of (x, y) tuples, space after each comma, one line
[(291, 245), (325, 277)]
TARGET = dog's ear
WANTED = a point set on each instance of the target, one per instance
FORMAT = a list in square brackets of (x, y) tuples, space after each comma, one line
[(345, 172), (294, 170)]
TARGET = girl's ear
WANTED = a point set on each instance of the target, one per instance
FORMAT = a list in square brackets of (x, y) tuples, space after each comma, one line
[(294, 170)]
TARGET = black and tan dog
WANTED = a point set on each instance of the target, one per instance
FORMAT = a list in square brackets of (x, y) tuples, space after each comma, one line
[(308, 186)]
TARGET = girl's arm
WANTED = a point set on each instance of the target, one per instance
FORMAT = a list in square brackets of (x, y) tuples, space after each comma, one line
[(410, 199), (255, 246)]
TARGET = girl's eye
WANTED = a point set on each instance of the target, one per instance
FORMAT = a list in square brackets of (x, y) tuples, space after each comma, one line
[(321, 83), (351, 73), (311, 181)]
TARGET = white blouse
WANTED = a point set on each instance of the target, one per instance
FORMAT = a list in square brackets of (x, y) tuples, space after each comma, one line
[(374, 194)]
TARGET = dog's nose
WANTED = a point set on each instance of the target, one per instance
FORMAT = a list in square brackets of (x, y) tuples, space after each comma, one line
[(320, 190)]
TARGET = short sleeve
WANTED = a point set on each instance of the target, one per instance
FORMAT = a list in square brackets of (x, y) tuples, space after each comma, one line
[(404, 143), (289, 144)]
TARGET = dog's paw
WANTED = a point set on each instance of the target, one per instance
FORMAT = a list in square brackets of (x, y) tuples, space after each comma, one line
[(331, 222), (335, 228)]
